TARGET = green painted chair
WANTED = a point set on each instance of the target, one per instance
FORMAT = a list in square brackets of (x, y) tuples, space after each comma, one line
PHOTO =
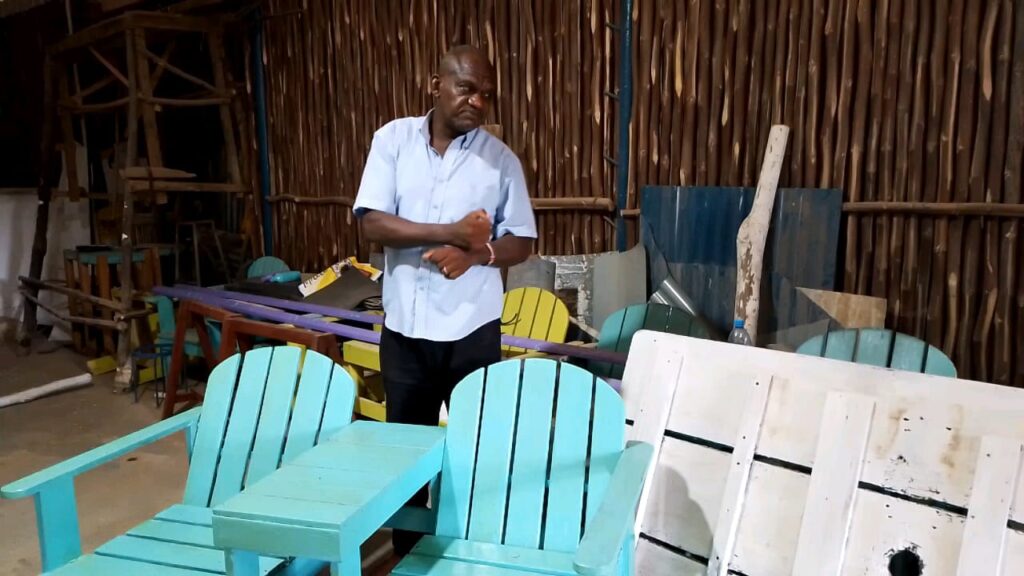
[(879, 347), (618, 330), (265, 266), (275, 414), (519, 496)]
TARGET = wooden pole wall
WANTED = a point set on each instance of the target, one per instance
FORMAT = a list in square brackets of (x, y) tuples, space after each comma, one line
[(892, 101)]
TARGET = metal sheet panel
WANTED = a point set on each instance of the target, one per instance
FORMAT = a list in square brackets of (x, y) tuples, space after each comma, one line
[(690, 234)]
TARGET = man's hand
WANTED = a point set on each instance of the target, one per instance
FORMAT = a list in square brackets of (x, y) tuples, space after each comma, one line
[(453, 261), (473, 231)]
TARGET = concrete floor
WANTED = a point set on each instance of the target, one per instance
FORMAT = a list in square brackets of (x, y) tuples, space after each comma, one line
[(111, 498)]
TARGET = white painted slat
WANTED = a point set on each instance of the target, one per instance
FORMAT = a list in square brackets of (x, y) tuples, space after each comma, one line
[(995, 481), (838, 461), (743, 452), (653, 400)]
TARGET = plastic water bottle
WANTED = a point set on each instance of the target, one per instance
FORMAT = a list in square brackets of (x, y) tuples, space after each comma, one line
[(739, 334)]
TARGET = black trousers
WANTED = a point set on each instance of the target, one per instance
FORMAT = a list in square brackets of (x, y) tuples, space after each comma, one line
[(420, 374)]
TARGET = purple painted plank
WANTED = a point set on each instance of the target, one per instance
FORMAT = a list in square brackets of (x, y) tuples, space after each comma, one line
[(272, 311)]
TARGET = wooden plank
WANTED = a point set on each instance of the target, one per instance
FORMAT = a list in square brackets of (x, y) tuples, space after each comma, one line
[(460, 457), (530, 459), (568, 459), (541, 561), (995, 481), (174, 532), (341, 398), (735, 494), (754, 231), (607, 439), (873, 347), (241, 429), (216, 406), (69, 147), (103, 281), (186, 514), (145, 95), (494, 452), (309, 402)]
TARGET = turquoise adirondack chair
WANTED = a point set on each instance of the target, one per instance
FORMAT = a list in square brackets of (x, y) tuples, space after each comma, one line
[(535, 477), (270, 422), (618, 330), (879, 347)]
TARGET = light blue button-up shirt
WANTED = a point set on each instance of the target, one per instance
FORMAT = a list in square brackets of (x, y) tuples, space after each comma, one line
[(405, 176)]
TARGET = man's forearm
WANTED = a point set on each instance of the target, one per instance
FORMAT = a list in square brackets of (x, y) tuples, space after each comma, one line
[(397, 232), (508, 251)]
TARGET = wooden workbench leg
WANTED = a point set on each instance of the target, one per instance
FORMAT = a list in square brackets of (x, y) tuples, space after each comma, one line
[(87, 310), (71, 281), (154, 258), (173, 376), (103, 279)]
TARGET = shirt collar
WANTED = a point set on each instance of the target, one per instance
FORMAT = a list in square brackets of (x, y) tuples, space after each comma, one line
[(462, 142)]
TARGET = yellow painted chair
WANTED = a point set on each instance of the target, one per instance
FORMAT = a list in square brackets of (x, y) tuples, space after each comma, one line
[(527, 312)]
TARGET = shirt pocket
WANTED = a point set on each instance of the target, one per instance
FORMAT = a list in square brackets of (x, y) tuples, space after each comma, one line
[(476, 186)]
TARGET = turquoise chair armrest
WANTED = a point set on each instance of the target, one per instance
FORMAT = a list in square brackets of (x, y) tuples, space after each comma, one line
[(74, 466), (599, 549)]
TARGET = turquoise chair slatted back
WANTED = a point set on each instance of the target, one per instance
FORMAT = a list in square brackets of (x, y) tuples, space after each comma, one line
[(878, 347), (531, 445), (261, 410), (618, 330), (265, 266)]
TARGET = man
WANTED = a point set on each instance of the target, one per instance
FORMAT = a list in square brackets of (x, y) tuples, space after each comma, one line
[(448, 202)]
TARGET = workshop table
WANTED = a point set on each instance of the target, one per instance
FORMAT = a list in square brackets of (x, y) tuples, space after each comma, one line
[(329, 500)]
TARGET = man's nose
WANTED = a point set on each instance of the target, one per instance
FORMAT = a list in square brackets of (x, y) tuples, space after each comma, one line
[(477, 101)]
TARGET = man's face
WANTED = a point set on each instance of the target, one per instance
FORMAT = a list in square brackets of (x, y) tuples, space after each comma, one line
[(465, 95)]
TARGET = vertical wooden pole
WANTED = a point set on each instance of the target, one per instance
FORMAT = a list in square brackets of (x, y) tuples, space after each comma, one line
[(103, 280), (122, 379), (144, 89), (217, 60)]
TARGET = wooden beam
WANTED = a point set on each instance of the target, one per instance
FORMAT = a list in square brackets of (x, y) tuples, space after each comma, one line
[(939, 208), (132, 20), (69, 292), (327, 200), (579, 203), (73, 106), (155, 172), (163, 63), (179, 186), (110, 67), (74, 319)]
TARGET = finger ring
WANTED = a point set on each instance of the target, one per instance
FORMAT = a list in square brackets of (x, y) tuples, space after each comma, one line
[(444, 269)]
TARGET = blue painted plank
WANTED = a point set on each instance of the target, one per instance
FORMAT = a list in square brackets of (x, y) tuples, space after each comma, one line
[(320, 485), (359, 458), (278, 540), (185, 514), (220, 389), (939, 364), (241, 429), (515, 557), (607, 438), (497, 426), (601, 545), (873, 347), (840, 345), (173, 555), (908, 353), (341, 398), (57, 523), (286, 511), (93, 565), (174, 532), (530, 461), (460, 456), (274, 417), (568, 459), (309, 404), (390, 434)]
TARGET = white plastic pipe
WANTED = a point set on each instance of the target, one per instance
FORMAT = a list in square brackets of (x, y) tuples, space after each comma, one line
[(45, 390)]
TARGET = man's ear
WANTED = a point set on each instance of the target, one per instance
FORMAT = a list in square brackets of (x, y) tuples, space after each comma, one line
[(435, 85)]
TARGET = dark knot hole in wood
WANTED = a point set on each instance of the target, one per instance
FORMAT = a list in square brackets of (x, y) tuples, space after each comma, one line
[(906, 562)]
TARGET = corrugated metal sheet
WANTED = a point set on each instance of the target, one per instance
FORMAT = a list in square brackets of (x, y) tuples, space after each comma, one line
[(690, 233)]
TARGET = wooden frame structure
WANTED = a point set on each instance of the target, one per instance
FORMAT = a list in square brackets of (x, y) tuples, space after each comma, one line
[(126, 47)]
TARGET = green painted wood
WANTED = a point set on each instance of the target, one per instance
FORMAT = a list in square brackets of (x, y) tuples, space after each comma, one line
[(341, 399), (680, 322), (657, 318), (606, 443), (533, 443), (277, 540), (265, 266), (241, 429), (216, 407), (460, 456), (600, 548), (106, 566), (879, 347), (185, 514), (57, 523), (414, 565), (873, 347), (274, 417), (174, 532), (567, 474), (497, 427), (515, 557), (618, 330), (309, 404), (73, 466)]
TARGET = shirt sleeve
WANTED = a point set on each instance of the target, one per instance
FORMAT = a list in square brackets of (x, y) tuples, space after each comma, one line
[(515, 213), (377, 188)]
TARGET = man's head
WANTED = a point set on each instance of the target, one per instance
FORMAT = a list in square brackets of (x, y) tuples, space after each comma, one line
[(463, 89)]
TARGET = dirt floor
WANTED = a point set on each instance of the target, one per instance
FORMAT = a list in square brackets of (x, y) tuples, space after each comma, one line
[(111, 498)]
